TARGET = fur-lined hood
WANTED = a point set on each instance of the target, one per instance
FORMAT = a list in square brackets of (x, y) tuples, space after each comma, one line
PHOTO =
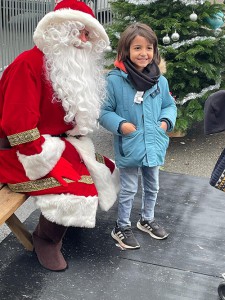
[(162, 66)]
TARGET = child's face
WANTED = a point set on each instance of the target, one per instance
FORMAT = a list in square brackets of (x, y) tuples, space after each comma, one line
[(141, 52)]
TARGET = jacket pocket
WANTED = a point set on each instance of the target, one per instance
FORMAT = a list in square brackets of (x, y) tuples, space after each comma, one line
[(132, 145), (162, 140)]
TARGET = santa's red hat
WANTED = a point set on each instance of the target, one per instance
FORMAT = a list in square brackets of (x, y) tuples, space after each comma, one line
[(70, 10)]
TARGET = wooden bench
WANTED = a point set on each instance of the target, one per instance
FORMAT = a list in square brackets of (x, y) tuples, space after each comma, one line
[(9, 203)]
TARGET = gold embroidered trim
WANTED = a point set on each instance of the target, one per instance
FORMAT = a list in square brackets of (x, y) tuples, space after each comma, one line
[(24, 137), (99, 158), (43, 184), (86, 179)]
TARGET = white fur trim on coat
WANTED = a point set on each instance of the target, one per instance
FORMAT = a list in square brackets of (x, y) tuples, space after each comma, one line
[(68, 210), (39, 165), (162, 66), (107, 184), (62, 15)]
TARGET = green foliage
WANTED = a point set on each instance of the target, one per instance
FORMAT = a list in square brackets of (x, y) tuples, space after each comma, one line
[(194, 63)]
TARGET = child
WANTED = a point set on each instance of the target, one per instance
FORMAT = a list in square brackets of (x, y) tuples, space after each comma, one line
[(138, 110)]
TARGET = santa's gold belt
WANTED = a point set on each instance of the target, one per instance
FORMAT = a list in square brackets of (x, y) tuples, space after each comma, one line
[(43, 184)]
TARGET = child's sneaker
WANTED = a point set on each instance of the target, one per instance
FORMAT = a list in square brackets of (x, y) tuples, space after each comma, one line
[(153, 228), (125, 238)]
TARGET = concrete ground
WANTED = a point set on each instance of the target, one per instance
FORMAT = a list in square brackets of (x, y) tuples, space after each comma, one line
[(195, 154), (188, 265)]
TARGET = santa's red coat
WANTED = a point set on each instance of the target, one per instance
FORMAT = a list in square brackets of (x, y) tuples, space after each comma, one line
[(31, 120)]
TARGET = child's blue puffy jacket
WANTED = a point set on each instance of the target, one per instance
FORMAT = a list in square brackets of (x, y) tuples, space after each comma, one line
[(147, 145)]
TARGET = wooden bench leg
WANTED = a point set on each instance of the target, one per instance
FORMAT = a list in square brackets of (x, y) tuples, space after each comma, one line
[(22, 234)]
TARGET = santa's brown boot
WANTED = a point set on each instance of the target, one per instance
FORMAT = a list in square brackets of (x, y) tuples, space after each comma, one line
[(47, 239)]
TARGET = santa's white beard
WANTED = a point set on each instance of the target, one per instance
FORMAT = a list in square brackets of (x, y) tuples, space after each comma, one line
[(78, 82)]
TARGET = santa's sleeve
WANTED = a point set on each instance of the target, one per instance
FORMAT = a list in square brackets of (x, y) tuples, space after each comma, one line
[(20, 117)]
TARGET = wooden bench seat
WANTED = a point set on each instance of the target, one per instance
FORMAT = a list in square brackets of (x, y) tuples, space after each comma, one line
[(9, 203)]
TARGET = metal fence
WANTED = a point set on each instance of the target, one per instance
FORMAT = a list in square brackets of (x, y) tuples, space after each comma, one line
[(102, 10), (18, 19)]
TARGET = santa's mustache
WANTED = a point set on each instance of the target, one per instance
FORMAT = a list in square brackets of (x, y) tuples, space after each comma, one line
[(77, 43)]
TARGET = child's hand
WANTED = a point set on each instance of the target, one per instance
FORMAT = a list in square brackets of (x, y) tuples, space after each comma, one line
[(164, 125), (127, 128)]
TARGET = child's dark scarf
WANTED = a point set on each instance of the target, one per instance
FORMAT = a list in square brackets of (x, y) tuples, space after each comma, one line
[(145, 80)]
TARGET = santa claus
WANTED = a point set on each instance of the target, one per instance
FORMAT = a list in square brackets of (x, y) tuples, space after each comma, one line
[(50, 97)]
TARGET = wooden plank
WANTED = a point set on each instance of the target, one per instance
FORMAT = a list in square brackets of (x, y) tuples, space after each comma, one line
[(9, 203), (22, 234)]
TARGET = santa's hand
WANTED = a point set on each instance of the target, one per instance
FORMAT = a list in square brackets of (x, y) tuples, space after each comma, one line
[(64, 169)]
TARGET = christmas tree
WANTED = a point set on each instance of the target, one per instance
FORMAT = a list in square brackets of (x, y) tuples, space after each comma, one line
[(191, 36)]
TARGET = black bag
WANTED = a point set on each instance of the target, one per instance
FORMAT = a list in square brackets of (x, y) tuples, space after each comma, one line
[(217, 179), (214, 111)]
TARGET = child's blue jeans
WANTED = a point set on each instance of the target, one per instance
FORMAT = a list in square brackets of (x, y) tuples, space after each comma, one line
[(129, 187)]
